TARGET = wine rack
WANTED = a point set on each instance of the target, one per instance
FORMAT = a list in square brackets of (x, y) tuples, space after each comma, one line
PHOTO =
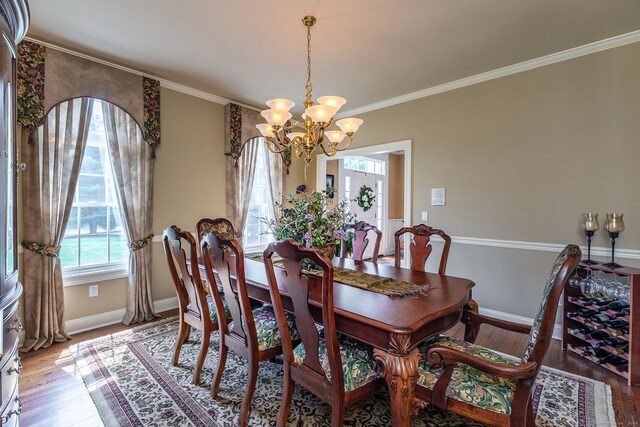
[(576, 342)]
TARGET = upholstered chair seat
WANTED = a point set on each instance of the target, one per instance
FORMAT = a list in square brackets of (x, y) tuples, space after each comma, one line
[(468, 384), (357, 361), (267, 330)]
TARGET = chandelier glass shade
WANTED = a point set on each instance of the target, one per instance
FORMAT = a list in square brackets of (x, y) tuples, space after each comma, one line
[(312, 131)]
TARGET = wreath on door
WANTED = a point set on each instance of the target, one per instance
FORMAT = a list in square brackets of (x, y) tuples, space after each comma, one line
[(365, 198)]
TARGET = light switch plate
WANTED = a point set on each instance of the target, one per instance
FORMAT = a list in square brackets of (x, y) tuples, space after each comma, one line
[(425, 216), (438, 197), (93, 291)]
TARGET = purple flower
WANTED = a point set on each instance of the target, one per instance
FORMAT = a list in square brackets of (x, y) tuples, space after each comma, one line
[(302, 188), (309, 217), (340, 234), (307, 240)]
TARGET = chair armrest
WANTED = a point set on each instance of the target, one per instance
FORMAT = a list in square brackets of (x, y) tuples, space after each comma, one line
[(440, 355), (477, 318), (450, 357)]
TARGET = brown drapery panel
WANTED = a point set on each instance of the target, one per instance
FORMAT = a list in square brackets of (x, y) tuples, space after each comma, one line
[(132, 165), (49, 186)]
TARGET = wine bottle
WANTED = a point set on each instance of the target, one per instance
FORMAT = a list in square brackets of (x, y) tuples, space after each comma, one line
[(583, 312), (613, 342), (601, 301), (612, 359), (599, 335), (624, 367), (599, 317), (597, 352), (616, 305), (615, 323), (625, 311), (621, 331), (584, 329)]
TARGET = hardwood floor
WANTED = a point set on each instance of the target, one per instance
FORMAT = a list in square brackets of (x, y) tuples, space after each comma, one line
[(53, 393)]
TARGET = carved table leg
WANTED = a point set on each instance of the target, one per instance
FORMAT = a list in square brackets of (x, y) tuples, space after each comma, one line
[(400, 369)]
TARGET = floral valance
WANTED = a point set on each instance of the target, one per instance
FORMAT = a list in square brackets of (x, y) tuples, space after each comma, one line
[(240, 123), (47, 77)]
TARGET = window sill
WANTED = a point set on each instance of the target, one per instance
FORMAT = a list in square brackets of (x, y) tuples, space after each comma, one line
[(98, 273)]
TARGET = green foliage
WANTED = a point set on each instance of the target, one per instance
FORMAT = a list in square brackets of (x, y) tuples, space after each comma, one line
[(365, 198), (308, 220)]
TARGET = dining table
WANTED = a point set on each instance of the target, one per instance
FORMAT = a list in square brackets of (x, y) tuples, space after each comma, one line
[(394, 327)]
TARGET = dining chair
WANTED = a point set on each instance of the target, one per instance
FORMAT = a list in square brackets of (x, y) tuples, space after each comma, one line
[(360, 241), (252, 333), (196, 308), (337, 369), (476, 382), (420, 249)]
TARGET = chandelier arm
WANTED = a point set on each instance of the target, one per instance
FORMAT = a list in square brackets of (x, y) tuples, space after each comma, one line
[(274, 147), (347, 145), (333, 152)]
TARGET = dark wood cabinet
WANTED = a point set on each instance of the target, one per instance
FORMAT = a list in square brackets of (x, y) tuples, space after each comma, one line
[(14, 19), (577, 314)]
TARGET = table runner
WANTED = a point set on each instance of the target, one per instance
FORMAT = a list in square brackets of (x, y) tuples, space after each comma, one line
[(383, 285)]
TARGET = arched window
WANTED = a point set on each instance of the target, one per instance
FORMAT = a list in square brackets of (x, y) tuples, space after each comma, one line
[(94, 242)]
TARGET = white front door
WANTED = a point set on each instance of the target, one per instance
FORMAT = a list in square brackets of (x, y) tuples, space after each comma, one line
[(373, 215)]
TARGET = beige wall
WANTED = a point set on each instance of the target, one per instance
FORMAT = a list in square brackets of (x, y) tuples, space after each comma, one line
[(396, 186), (189, 183), (521, 157)]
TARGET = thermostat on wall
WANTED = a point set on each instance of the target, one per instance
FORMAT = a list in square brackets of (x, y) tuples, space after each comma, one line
[(437, 197)]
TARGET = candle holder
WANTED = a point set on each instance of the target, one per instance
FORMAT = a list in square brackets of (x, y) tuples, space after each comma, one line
[(590, 225), (614, 225)]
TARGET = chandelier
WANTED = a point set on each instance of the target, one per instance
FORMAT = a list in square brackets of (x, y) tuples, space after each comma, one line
[(311, 132)]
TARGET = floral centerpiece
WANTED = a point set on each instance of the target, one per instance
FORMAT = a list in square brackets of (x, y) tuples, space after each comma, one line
[(307, 219)]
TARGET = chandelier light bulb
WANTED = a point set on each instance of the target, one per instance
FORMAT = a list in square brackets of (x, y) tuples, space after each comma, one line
[(321, 113), (265, 129), (349, 125), (335, 136), (292, 135), (332, 101), (280, 104), (276, 117)]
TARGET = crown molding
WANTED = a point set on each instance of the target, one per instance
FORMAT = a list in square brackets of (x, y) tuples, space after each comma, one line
[(163, 82), (564, 55)]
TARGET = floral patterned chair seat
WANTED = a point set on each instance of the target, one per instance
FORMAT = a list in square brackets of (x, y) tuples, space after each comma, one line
[(357, 361), (213, 314), (468, 384), (267, 327)]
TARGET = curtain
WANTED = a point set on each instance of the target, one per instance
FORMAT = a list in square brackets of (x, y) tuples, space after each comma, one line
[(53, 165), (132, 165), (240, 183), (275, 173)]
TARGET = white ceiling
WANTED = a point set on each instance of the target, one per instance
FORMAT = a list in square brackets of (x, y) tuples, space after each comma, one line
[(364, 50)]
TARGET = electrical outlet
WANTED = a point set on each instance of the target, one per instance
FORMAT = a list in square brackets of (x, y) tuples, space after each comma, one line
[(425, 216), (93, 290)]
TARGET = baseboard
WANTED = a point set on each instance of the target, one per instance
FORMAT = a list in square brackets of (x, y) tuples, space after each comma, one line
[(95, 321), (557, 329)]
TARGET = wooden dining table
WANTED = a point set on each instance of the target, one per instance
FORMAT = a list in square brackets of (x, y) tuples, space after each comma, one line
[(393, 327)]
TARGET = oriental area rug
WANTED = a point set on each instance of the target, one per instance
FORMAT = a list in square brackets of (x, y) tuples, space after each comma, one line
[(133, 383)]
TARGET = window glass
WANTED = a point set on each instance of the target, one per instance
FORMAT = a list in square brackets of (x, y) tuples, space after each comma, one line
[(94, 235), (260, 205)]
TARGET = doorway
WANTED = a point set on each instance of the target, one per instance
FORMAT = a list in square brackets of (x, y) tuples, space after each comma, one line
[(386, 169)]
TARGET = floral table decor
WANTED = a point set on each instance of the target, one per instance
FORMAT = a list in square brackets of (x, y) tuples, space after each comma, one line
[(365, 198), (307, 219)]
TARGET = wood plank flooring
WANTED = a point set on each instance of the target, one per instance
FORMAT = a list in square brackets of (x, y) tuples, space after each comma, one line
[(53, 393)]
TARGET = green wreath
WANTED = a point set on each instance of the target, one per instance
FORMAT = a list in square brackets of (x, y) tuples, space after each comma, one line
[(365, 198)]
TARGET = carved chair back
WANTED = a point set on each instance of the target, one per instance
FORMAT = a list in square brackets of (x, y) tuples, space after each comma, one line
[(222, 253), (420, 247), (542, 329), (361, 241), (220, 225), (294, 281), (189, 287)]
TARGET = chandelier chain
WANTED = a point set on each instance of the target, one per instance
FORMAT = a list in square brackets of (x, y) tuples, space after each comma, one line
[(308, 102)]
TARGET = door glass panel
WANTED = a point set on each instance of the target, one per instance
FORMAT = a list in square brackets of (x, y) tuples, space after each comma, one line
[(10, 247)]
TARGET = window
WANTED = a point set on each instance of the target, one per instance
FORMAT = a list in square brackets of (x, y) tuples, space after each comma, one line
[(347, 187), (364, 165), (94, 240), (379, 201), (260, 205)]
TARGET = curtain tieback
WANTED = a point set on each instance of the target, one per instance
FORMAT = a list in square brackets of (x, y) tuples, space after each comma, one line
[(139, 244), (39, 248)]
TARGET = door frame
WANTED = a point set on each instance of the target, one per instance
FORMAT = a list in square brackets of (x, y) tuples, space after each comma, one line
[(405, 145)]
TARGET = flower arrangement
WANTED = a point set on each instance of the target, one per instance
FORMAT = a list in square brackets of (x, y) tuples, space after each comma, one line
[(308, 220), (365, 198)]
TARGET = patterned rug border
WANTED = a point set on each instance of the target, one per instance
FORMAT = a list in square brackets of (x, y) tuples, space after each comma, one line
[(606, 416)]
